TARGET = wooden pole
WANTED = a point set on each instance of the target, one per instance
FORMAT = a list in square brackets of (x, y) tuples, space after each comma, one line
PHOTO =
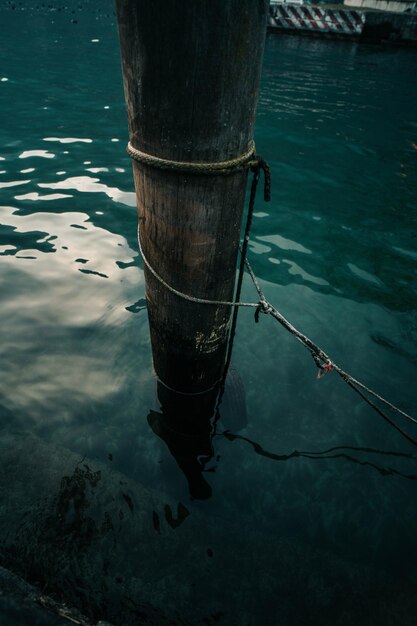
[(191, 73)]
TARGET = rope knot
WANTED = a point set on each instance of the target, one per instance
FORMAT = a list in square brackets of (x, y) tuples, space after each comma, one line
[(323, 363), (327, 367), (263, 307)]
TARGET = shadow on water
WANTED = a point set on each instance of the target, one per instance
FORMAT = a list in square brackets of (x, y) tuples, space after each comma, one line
[(188, 425), (337, 452)]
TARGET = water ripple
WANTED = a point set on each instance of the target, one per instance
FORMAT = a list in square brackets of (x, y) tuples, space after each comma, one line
[(36, 197), (68, 139), (284, 244), (14, 183), (36, 153), (89, 184)]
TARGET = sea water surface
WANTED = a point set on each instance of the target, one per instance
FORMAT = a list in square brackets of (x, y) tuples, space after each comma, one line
[(335, 251)]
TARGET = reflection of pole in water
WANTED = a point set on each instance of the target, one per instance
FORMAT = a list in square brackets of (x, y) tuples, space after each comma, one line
[(185, 423)]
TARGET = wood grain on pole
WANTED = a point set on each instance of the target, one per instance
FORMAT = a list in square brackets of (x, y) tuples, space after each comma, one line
[(191, 73)]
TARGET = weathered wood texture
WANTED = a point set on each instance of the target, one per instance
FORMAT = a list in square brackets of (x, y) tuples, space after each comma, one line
[(191, 74)]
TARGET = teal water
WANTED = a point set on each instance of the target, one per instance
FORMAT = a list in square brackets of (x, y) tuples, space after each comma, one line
[(335, 252)]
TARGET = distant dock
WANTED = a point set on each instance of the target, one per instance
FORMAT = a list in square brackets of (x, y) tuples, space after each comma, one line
[(379, 21)]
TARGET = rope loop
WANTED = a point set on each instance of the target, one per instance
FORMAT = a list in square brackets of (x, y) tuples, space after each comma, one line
[(244, 161), (263, 307), (249, 160), (261, 164)]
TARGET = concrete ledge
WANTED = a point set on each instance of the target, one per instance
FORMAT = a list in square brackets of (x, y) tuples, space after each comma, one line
[(368, 25), (94, 539), (397, 6), (22, 604), (399, 28)]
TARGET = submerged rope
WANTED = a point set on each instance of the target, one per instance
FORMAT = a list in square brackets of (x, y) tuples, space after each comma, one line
[(250, 160)]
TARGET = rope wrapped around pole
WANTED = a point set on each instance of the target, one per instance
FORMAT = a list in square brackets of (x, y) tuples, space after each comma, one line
[(247, 160), (250, 160)]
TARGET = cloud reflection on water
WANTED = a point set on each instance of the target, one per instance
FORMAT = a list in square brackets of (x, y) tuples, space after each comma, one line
[(89, 184), (35, 196), (47, 361)]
